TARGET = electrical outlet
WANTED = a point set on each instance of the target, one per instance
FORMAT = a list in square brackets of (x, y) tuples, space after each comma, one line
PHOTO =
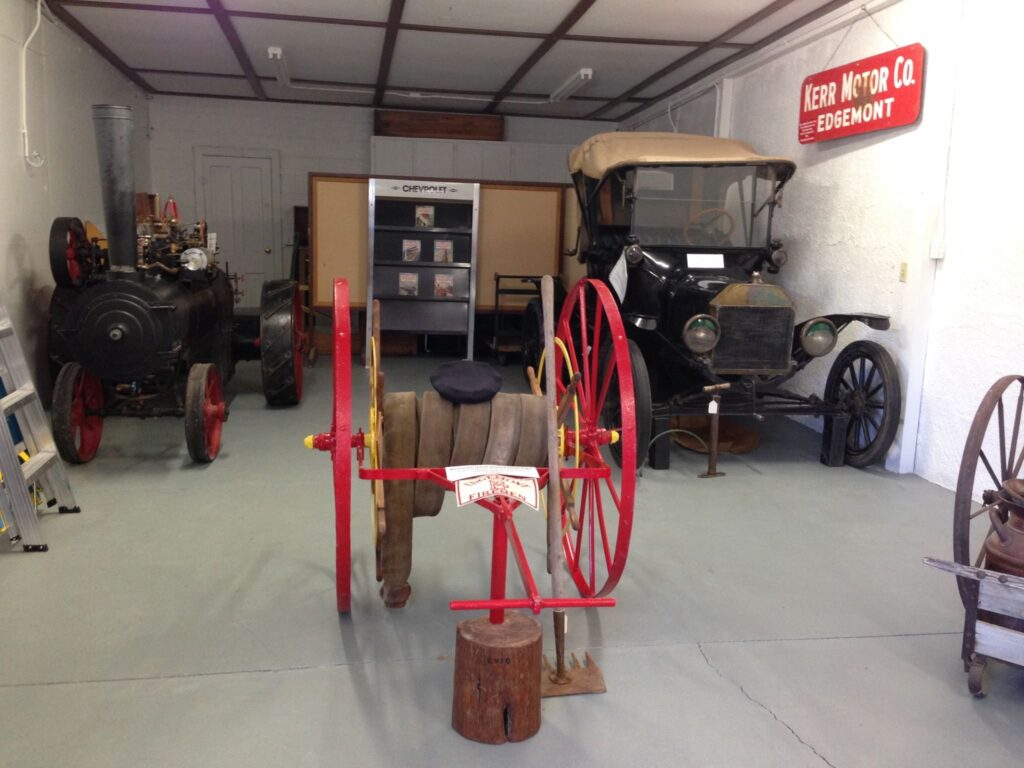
[(903, 271)]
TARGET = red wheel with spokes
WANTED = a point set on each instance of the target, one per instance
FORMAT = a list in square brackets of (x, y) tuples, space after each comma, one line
[(341, 445), (597, 520), (205, 412), (77, 414), (70, 261)]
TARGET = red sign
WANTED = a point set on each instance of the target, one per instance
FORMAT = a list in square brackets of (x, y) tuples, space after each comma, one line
[(882, 91)]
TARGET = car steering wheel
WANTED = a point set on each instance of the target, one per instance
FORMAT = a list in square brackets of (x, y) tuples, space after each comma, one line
[(701, 226)]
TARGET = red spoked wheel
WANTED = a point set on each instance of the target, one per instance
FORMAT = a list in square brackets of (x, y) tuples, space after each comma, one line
[(70, 261), (205, 412), (77, 414), (598, 517), (341, 447)]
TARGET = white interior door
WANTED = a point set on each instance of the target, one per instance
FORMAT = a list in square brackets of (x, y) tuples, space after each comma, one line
[(236, 197)]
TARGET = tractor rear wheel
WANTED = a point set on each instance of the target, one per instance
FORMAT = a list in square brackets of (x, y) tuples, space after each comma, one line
[(281, 340)]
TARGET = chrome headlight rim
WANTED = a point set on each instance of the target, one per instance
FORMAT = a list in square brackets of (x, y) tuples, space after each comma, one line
[(695, 336), (811, 343)]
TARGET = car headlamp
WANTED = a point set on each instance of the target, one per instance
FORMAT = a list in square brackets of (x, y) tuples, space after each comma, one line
[(700, 334), (818, 336)]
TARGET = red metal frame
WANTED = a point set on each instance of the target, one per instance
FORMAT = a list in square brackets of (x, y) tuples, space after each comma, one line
[(341, 442)]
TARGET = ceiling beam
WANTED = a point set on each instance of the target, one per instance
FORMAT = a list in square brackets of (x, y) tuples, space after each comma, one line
[(57, 9), (236, 45), (368, 86), (557, 34), (778, 34), (191, 95), (736, 29), (387, 52)]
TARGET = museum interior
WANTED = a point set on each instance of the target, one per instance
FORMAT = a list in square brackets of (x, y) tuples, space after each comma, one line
[(686, 337)]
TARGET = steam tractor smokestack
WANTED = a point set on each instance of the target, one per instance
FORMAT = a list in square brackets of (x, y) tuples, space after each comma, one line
[(114, 126)]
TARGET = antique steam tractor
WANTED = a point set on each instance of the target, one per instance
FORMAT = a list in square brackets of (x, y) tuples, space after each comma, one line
[(145, 325)]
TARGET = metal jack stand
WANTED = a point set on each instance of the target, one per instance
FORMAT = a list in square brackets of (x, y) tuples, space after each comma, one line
[(713, 408)]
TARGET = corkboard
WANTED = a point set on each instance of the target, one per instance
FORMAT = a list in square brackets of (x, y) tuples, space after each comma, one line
[(520, 234), (339, 212)]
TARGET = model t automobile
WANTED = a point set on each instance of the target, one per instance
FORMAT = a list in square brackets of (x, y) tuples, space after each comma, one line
[(679, 226)]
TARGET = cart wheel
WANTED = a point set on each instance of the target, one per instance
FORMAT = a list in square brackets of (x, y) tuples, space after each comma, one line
[(281, 342), (976, 677), (70, 261), (341, 448), (863, 379), (986, 442), (77, 414), (205, 412), (589, 325), (532, 340), (611, 413)]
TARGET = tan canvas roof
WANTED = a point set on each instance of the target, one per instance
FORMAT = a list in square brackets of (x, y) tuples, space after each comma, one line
[(605, 151)]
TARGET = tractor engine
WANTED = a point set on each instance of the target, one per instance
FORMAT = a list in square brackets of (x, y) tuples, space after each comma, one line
[(143, 323)]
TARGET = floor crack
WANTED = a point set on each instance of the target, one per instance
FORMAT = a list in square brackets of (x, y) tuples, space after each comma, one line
[(767, 709)]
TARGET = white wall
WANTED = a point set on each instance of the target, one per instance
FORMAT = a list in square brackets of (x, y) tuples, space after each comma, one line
[(309, 137), (977, 319), (65, 78), (859, 207)]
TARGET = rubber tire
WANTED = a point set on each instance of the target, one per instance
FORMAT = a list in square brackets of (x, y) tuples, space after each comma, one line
[(399, 442), (642, 403), (280, 358), (883, 362), (195, 421), (533, 432), (503, 434), (531, 340), (59, 231), (60, 415), (437, 417)]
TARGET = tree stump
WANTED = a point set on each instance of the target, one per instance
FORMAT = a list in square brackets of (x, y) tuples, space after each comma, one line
[(496, 695)]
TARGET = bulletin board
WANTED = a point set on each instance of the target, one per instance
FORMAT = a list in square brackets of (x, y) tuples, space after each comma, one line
[(521, 232)]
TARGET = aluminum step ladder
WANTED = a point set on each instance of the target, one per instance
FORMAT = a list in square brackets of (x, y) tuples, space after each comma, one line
[(20, 487)]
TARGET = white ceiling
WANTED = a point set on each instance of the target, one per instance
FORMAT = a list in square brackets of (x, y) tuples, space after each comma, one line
[(499, 56)]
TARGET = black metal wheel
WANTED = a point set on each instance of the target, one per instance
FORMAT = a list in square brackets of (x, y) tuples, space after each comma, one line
[(205, 412), (281, 340), (532, 340), (864, 381), (611, 413), (77, 414), (70, 253), (993, 454)]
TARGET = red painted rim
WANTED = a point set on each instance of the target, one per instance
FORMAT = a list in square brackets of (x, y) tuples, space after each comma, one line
[(590, 327), (214, 413), (341, 455), (86, 421)]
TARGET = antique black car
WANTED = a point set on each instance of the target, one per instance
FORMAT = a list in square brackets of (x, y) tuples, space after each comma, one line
[(679, 226)]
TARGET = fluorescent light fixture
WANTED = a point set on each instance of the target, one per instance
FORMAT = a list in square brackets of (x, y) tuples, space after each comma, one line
[(573, 84)]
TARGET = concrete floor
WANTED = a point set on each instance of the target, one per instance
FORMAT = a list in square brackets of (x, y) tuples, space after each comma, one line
[(778, 616)]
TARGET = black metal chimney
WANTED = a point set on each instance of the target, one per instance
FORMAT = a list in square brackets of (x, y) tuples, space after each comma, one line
[(113, 126)]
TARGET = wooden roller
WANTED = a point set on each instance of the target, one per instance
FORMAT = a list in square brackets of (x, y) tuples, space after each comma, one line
[(437, 417), (400, 432)]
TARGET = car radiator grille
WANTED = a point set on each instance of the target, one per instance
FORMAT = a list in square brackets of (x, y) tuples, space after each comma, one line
[(754, 340)]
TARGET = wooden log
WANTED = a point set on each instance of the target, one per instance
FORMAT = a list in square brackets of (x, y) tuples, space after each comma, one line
[(496, 695)]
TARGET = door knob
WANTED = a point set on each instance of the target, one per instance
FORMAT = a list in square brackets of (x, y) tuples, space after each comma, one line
[(266, 250)]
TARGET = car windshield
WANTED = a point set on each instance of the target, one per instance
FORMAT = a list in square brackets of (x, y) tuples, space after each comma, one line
[(701, 206)]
